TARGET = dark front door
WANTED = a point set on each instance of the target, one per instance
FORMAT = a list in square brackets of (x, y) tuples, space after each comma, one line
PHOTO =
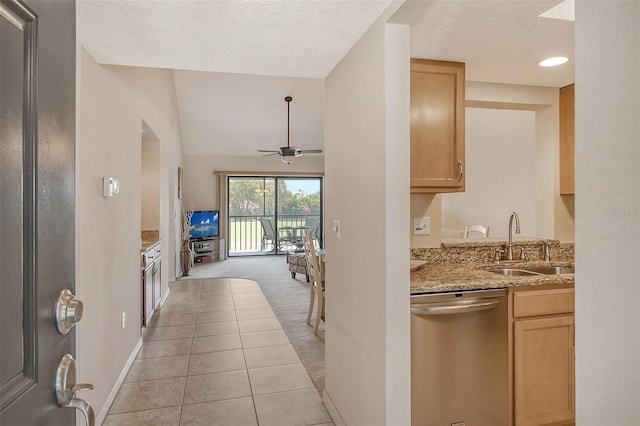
[(37, 204)]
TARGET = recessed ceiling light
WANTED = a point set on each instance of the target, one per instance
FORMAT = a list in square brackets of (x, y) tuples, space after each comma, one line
[(552, 62)]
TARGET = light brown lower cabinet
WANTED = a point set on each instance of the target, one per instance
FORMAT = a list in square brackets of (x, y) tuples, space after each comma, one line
[(543, 359)]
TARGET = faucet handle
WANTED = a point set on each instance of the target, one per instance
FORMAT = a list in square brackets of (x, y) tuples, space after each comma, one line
[(547, 250), (497, 256), (523, 254)]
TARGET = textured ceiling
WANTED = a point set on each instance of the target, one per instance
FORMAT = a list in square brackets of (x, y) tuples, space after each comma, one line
[(500, 41), (282, 38), (237, 114), (235, 60)]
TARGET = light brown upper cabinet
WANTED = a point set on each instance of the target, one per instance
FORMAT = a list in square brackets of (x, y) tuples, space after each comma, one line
[(567, 140), (437, 126)]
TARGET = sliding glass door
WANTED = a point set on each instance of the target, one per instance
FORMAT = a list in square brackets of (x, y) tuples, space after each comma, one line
[(267, 215)]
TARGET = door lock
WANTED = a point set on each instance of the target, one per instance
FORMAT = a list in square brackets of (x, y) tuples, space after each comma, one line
[(68, 311), (66, 388)]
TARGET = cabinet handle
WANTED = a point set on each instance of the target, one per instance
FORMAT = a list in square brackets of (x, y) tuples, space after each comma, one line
[(460, 170)]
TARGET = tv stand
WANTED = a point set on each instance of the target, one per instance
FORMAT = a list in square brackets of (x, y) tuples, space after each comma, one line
[(206, 250)]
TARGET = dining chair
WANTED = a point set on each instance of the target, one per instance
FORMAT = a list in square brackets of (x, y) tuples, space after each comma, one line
[(312, 223), (315, 270), (478, 231)]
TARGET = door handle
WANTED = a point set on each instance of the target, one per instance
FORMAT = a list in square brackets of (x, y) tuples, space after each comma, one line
[(66, 389), (68, 311), (454, 308)]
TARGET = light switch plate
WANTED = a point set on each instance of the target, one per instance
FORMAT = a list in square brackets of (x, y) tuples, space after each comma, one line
[(421, 225), (110, 186), (335, 229)]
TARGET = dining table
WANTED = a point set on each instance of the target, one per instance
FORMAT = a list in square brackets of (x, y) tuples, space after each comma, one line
[(295, 233)]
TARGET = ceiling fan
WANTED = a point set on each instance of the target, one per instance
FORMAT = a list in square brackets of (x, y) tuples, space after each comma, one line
[(289, 153)]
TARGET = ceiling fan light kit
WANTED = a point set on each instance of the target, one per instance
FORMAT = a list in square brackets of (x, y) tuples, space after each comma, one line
[(289, 153)]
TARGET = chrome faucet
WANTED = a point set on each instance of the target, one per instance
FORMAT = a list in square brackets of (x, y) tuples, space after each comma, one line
[(509, 254)]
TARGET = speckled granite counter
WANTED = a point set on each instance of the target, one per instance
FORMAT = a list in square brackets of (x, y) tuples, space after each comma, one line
[(438, 278), (148, 239), (146, 245), (459, 265)]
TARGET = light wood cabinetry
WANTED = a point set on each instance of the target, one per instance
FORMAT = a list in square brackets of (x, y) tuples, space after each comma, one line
[(543, 368), (437, 126), (567, 140)]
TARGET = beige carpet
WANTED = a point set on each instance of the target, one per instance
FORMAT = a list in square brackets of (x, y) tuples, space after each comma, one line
[(289, 299)]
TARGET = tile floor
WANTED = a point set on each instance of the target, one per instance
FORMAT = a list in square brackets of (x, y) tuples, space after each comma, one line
[(217, 355)]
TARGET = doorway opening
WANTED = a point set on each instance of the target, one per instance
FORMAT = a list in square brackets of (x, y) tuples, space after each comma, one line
[(268, 214)]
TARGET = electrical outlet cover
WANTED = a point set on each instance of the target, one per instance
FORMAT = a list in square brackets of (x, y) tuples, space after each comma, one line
[(421, 225)]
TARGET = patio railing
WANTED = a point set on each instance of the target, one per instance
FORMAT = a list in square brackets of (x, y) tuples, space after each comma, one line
[(245, 232)]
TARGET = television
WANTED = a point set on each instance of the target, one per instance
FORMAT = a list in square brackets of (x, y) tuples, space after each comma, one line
[(204, 224)]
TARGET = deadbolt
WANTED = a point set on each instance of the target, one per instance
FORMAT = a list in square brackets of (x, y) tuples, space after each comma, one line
[(68, 311)]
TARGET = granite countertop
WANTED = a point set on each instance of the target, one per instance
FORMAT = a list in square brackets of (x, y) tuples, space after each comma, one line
[(149, 238), (438, 278), (146, 245)]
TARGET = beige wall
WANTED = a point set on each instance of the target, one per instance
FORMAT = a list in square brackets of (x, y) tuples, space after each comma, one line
[(150, 184), (607, 40), (501, 177), (111, 104), (367, 149)]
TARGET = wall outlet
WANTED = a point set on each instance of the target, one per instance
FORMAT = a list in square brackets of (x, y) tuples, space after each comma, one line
[(421, 225), (123, 320)]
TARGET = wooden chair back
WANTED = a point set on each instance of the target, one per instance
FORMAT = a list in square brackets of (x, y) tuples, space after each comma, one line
[(478, 231), (314, 267)]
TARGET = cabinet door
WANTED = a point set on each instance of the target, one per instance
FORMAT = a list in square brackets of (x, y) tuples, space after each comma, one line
[(157, 284), (567, 140), (544, 370), (147, 296), (437, 126)]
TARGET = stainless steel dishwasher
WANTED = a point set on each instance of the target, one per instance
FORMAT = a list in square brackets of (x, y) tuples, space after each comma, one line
[(459, 358)]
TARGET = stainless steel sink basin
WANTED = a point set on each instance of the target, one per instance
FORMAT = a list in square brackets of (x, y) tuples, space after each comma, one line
[(551, 270), (512, 272), (533, 270)]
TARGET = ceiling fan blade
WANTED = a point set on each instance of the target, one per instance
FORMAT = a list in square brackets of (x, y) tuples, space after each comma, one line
[(311, 151), (272, 154), (269, 150)]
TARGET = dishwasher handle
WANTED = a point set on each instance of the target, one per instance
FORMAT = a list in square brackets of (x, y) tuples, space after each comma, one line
[(458, 308)]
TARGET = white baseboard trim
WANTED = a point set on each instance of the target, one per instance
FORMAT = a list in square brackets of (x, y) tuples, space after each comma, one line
[(164, 298), (116, 387), (331, 408)]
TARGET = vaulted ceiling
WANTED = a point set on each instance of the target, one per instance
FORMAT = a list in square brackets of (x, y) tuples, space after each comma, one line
[(234, 61)]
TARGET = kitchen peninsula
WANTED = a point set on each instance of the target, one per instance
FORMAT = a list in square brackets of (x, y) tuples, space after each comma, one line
[(460, 265), (492, 341)]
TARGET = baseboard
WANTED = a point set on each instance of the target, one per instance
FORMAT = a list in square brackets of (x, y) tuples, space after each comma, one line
[(331, 408), (116, 387), (164, 298)]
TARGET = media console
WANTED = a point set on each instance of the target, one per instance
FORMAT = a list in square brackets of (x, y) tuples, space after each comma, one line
[(207, 250)]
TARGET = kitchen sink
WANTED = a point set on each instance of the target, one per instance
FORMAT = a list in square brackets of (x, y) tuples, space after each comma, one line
[(551, 270), (533, 270)]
